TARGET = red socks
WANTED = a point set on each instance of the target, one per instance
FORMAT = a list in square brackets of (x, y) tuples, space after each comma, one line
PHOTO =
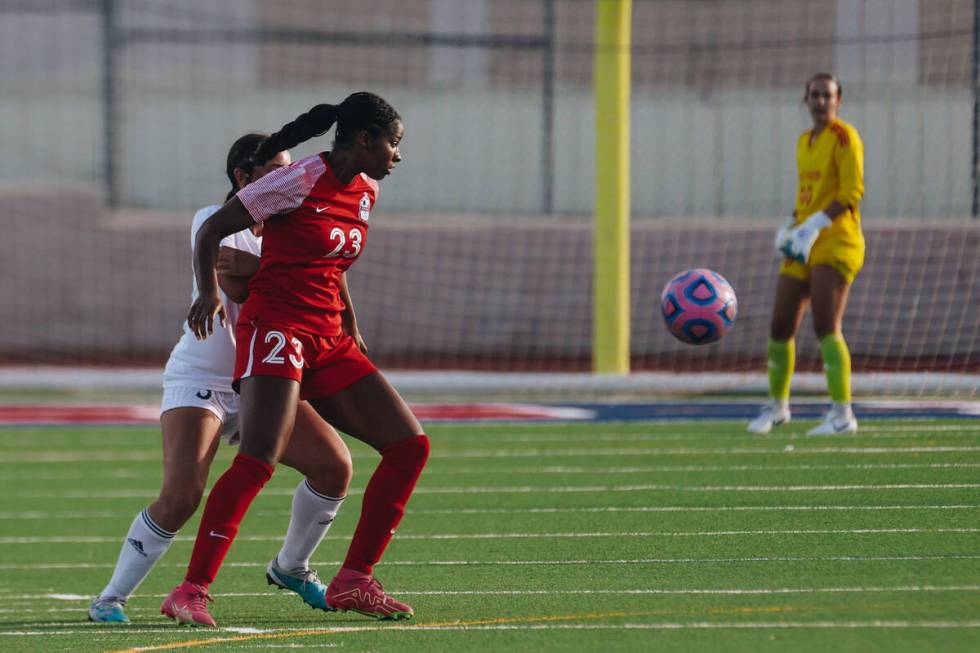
[(384, 501), (227, 504)]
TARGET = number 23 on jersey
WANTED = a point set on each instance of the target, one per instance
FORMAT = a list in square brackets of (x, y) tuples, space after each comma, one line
[(348, 243)]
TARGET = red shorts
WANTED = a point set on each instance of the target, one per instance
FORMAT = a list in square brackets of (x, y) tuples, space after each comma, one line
[(322, 365)]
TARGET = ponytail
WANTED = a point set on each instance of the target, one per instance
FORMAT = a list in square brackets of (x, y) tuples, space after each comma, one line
[(360, 111), (314, 122)]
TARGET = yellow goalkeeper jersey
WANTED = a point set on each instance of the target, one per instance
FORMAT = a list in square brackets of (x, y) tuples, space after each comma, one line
[(831, 167)]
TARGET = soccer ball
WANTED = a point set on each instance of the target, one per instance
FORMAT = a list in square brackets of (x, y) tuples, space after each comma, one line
[(699, 306)]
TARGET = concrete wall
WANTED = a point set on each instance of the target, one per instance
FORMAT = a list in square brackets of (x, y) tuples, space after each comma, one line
[(479, 151), (715, 104)]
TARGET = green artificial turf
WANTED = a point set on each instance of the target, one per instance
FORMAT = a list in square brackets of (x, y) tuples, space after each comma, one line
[(541, 537)]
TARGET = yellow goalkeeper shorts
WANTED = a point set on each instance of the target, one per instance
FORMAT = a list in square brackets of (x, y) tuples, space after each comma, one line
[(844, 255)]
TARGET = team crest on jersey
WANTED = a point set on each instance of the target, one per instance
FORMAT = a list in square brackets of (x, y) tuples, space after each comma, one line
[(365, 209)]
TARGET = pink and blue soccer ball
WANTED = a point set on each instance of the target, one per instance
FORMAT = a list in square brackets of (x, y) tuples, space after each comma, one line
[(699, 306)]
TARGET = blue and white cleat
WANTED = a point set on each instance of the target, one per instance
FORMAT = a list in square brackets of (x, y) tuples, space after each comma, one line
[(109, 610), (304, 582)]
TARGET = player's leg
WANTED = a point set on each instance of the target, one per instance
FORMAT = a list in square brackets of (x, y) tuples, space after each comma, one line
[(320, 454), (372, 411), (830, 289), (789, 306), (268, 409), (190, 440)]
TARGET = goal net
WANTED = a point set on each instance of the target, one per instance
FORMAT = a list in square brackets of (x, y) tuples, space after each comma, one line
[(118, 114)]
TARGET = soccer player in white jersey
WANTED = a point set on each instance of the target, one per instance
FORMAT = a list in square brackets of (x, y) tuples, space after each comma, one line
[(199, 408)]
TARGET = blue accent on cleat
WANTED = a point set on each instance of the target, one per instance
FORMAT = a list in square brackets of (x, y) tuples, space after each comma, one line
[(304, 582), (108, 610)]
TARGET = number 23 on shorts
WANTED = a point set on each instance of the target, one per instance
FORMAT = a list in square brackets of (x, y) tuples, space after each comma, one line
[(271, 351)]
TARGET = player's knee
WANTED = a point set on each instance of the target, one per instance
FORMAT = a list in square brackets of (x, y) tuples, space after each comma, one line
[(333, 475), (175, 507), (409, 453), (781, 332), (824, 328)]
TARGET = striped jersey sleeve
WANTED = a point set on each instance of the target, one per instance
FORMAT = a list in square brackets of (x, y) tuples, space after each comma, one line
[(282, 190)]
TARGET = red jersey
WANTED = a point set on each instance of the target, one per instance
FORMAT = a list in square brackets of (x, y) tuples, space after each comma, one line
[(315, 228)]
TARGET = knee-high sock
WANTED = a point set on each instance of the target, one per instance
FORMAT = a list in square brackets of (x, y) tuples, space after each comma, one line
[(309, 521), (145, 543), (782, 359), (227, 504), (384, 501), (837, 367)]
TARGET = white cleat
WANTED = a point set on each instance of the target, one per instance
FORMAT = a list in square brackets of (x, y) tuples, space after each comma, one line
[(774, 413), (839, 420)]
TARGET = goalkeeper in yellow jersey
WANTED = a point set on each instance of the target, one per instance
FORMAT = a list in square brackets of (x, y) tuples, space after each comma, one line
[(824, 249)]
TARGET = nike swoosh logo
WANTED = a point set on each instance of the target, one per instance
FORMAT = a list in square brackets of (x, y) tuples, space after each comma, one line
[(224, 537), (321, 209)]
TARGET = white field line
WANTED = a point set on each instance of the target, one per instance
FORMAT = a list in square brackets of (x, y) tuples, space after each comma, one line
[(37, 514), (658, 469), (693, 625), (98, 539), (693, 451), (713, 625), (53, 457), (467, 471), (630, 509), (544, 438), (530, 489), (735, 591), (524, 563), (964, 429)]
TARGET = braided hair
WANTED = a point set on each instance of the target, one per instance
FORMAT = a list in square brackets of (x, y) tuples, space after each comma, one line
[(360, 111)]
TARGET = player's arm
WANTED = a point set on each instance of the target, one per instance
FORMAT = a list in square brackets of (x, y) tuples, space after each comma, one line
[(280, 191), (235, 268), (850, 167), (348, 318), (229, 219)]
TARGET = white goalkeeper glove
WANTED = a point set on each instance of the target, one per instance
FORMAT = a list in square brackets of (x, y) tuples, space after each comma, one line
[(782, 234), (801, 238)]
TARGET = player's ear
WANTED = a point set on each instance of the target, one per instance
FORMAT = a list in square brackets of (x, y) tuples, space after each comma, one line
[(362, 138), (241, 178)]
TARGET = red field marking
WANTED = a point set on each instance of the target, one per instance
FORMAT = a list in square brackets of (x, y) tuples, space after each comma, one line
[(28, 414)]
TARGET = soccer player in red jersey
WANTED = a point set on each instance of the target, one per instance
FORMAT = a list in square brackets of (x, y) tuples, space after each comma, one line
[(292, 345), (199, 408)]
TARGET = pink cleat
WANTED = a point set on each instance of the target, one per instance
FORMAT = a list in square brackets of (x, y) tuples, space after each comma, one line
[(188, 604), (366, 596)]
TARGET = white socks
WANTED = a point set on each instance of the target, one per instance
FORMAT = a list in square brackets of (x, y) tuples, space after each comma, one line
[(145, 544), (310, 520)]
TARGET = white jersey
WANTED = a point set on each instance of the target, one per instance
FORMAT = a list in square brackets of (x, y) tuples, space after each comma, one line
[(209, 363)]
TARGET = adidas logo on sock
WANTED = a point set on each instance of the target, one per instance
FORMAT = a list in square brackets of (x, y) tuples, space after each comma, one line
[(136, 544)]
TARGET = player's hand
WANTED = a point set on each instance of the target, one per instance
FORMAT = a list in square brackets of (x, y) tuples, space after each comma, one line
[(200, 318), (801, 238), (236, 263), (359, 341), (782, 234), (355, 334)]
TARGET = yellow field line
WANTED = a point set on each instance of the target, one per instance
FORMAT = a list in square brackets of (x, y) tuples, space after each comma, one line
[(375, 628)]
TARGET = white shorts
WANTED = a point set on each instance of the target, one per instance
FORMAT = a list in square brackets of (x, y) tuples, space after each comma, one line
[(224, 405)]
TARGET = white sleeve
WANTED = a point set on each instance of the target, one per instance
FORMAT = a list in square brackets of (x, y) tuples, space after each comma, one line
[(199, 218)]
